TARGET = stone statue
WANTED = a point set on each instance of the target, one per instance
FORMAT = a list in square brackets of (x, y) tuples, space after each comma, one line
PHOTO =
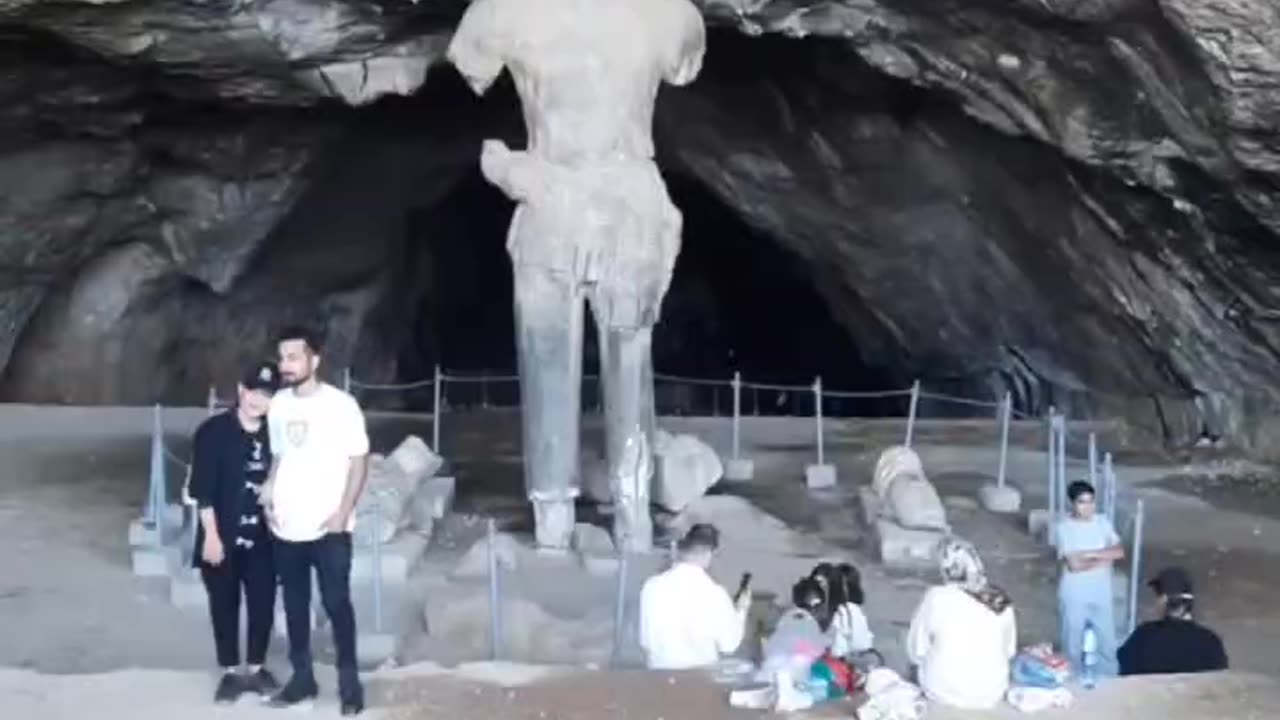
[(593, 222), (904, 492)]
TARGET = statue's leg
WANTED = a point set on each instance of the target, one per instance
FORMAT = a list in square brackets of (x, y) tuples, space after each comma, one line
[(549, 342), (627, 373)]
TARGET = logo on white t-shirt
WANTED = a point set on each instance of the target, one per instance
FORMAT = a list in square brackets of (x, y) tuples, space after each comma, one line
[(296, 432)]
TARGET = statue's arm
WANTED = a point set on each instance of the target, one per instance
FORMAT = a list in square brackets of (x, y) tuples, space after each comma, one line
[(691, 45), (476, 45)]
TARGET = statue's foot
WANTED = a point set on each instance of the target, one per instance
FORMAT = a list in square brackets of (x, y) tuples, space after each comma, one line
[(553, 524)]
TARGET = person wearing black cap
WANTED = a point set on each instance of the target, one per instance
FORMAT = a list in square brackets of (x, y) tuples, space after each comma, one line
[(233, 549), (1175, 643)]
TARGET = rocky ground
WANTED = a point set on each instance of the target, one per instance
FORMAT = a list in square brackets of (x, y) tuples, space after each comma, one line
[(68, 605)]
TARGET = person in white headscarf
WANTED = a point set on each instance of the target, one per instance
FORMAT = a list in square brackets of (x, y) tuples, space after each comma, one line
[(963, 635)]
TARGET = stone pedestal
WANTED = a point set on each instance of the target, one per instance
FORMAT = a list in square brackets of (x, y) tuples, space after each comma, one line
[(1005, 500), (739, 469), (553, 523), (820, 477)]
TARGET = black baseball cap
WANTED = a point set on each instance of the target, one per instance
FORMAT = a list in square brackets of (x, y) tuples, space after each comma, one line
[(1172, 582), (264, 377)]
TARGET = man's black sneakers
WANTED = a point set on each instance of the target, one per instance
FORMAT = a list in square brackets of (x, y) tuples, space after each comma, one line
[(229, 688), (261, 682), (352, 707), (294, 692)]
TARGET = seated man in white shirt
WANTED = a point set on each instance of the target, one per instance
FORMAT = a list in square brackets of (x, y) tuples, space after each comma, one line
[(687, 620)]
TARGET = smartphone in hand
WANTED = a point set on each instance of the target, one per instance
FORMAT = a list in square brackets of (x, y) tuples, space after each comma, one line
[(743, 585)]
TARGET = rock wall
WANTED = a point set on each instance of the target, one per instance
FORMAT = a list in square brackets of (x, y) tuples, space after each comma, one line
[(1073, 201)]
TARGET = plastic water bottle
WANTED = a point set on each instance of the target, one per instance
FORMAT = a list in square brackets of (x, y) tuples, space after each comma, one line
[(1089, 661)]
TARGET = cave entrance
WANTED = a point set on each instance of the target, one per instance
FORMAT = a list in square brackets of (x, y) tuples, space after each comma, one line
[(738, 301)]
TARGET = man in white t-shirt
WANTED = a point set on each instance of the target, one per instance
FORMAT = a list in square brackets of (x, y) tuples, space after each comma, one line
[(687, 619), (319, 447)]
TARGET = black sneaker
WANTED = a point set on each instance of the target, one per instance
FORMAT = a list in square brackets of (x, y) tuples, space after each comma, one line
[(352, 707), (229, 688), (262, 682), (295, 691)]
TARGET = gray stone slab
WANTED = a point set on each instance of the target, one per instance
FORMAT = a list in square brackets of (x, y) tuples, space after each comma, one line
[(905, 549), (820, 477)]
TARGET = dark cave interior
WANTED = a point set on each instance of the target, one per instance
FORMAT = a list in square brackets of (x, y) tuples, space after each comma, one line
[(738, 302)]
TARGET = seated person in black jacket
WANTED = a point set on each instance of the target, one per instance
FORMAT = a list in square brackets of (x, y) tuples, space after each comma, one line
[(1175, 643), (233, 550)]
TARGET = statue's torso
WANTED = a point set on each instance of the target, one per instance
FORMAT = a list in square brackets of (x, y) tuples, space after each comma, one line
[(588, 72)]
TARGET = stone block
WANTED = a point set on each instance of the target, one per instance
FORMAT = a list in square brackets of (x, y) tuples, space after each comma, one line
[(155, 562), (434, 498), (375, 648), (415, 458), (398, 558), (1004, 499), (686, 468), (820, 477), (739, 469), (905, 549)]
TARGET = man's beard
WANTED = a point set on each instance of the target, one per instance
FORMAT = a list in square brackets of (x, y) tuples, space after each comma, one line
[(296, 380)]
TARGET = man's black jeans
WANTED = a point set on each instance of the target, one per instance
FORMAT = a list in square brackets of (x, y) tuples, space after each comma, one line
[(331, 558)]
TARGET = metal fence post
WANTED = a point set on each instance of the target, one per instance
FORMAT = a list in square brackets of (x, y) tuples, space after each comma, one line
[(377, 563), (1093, 461), (1135, 565), (911, 412), (1051, 477), (1062, 465), (620, 607), (211, 402), (437, 392), (817, 417), (1109, 478), (157, 487), (1006, 411), (495, 610), (737, 413), (346, 379)]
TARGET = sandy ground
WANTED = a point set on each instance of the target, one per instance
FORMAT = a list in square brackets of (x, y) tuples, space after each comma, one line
[(68, 605)]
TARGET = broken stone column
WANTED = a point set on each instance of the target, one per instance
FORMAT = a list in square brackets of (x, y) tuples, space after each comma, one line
[(593, 222), (392, 482)]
